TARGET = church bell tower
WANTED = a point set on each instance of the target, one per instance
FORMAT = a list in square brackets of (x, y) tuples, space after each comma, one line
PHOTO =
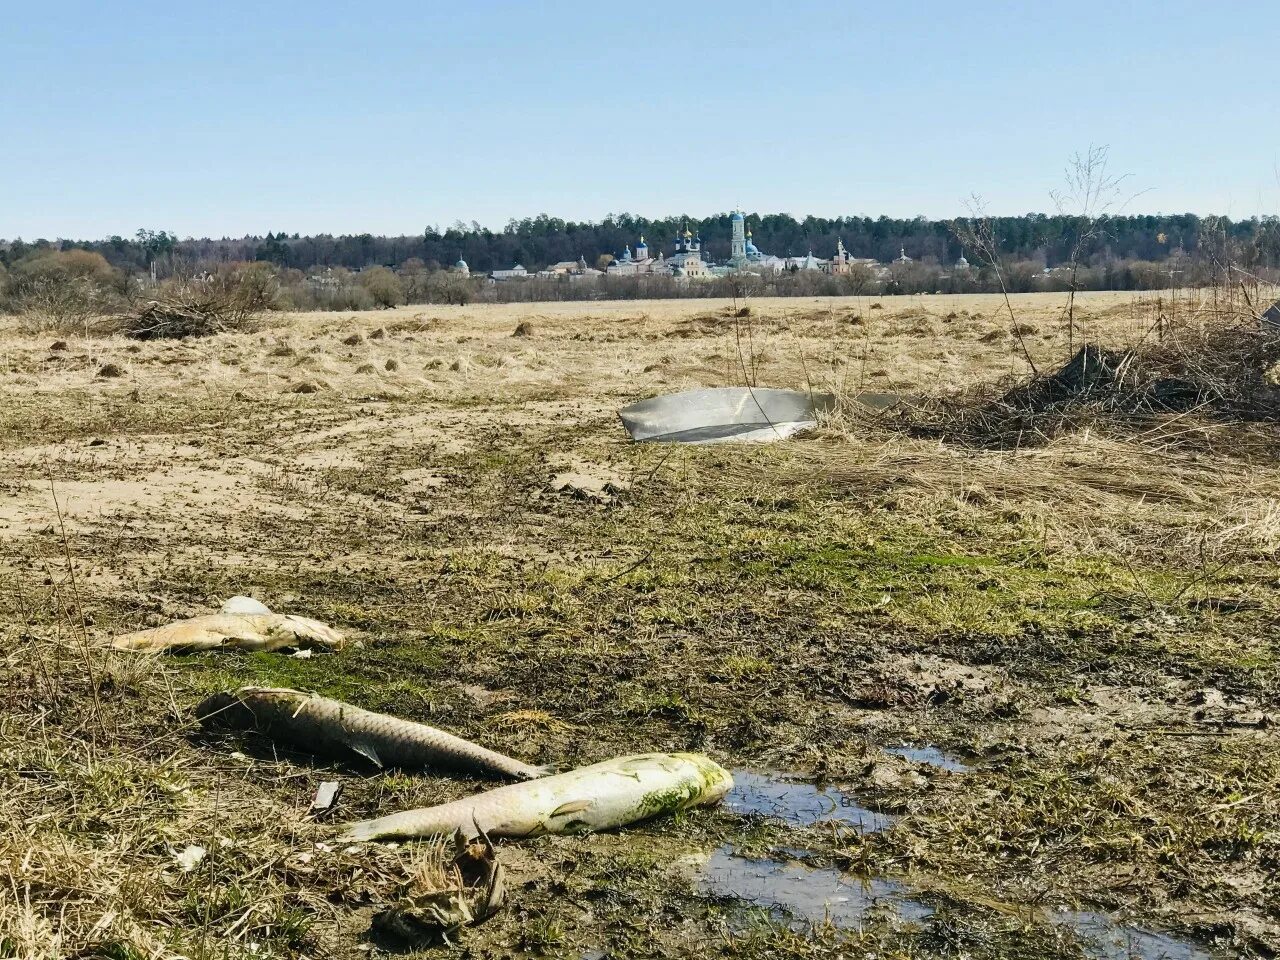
[(738, 239)]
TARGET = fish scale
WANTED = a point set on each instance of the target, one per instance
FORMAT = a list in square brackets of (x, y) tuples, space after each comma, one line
[(321, 725)]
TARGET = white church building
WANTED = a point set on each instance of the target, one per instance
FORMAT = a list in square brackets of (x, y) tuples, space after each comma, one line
[(744, 257)]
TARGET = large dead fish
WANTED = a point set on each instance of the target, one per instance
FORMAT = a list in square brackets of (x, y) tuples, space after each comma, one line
[(260, 631), (319, 725), (605, 795)]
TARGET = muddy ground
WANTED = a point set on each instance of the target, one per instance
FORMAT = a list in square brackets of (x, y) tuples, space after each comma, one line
[(979, 704)]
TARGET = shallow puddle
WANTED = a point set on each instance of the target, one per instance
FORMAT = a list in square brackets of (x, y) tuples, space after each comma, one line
[(930, 756), (808, 894), (805, 894), (1104, 939), (799, 804)]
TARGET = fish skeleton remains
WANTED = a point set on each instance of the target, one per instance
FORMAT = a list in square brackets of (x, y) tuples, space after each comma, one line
[(610, 794), (319, 725), (437, 903), (244, 631)]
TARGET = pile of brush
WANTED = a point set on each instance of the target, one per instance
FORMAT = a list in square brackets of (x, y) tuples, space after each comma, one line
[(224, 303), (1193, 377)]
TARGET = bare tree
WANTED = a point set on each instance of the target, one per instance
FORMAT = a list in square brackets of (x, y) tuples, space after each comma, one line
[(1092, 195), (978, 234)]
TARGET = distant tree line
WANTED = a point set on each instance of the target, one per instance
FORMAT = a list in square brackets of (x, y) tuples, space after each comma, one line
[(72, 282), (535, 242)]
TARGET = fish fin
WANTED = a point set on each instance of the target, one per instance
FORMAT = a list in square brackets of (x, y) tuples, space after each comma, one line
[(366, 751), (573, 806)]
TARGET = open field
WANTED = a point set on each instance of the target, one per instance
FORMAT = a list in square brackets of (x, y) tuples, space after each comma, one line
[(1078, 641)]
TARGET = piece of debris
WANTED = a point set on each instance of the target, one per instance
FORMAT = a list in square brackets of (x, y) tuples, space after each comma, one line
[(392, 365), (588, 487), (442, 897), (327, 794), (323, 726), (722, 414), (1270, 316), (306, 386), (239, 604), (614, 793), (378, 334), (266, 631), (109, 370), (189, 858), (353, 340)]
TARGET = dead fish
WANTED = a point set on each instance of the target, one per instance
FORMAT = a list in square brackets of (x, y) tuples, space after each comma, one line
[(440, 900), (320, 725), (605, 795), (264, 631)]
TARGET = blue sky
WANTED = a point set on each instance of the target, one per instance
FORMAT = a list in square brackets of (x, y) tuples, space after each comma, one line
[(235, 118)]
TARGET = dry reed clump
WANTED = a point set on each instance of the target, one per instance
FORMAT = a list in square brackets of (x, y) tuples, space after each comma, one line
[(1171, 391)]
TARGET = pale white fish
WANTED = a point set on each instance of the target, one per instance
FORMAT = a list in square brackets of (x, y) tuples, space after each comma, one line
[(268, 631), (602, 796)]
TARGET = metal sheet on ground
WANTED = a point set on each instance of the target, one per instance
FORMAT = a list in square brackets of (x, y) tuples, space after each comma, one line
[(724, 414)]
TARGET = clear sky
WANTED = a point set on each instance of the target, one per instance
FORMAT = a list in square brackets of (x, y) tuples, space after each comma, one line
[(233, 118)]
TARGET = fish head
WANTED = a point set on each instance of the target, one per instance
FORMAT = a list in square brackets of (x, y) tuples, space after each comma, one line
[(305, 633), (713, 781)]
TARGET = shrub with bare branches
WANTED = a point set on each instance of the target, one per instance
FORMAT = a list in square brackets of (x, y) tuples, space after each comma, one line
[(226, 302)]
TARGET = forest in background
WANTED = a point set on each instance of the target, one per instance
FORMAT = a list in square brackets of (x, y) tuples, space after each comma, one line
[(1047, 239), (70, 281)]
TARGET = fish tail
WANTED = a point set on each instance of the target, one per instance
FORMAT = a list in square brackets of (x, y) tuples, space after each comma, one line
[(361, 830)]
